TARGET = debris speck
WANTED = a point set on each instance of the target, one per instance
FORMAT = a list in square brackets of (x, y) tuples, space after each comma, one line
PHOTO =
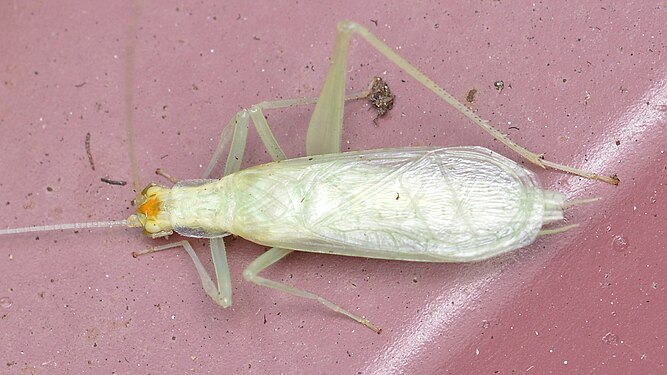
[(379, 94), (472, 96), (113, 182), (90, 155)]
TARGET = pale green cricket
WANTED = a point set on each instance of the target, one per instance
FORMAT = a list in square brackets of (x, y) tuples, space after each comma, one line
[(458, 204)]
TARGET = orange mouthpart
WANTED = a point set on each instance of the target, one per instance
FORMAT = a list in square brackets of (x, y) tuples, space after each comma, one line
[(150, 208)]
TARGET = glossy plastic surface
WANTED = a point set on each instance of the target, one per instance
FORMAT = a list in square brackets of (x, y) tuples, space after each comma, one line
[(585, 84)]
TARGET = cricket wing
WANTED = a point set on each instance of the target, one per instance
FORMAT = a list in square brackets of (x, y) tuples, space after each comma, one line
[(431, 204)]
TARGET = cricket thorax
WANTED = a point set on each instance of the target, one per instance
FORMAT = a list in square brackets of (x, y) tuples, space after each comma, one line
[(192, 208)]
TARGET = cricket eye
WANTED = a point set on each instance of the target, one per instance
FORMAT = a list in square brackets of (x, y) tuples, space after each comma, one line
[(151, 226)]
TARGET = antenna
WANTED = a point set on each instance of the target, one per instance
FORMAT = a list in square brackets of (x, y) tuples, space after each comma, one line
[(129, 223), (132, 221), (129, 94)]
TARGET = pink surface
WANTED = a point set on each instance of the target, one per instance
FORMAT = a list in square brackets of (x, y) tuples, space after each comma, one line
[(585, 84)]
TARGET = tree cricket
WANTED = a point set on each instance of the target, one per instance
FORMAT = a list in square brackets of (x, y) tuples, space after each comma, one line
[(430, 204)]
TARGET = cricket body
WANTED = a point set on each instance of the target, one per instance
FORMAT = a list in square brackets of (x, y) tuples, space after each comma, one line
[(432, 204), (422, 204)]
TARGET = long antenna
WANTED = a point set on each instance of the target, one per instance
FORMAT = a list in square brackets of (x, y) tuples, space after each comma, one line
[(54, 227), (129, 119), (129, 93)]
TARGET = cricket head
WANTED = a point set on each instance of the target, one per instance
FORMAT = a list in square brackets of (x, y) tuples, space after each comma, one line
[(152, 212)]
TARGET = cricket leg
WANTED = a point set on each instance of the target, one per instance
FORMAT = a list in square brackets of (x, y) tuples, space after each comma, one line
[(236, 131), (328, 137), (251, 273), (222, 295)]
